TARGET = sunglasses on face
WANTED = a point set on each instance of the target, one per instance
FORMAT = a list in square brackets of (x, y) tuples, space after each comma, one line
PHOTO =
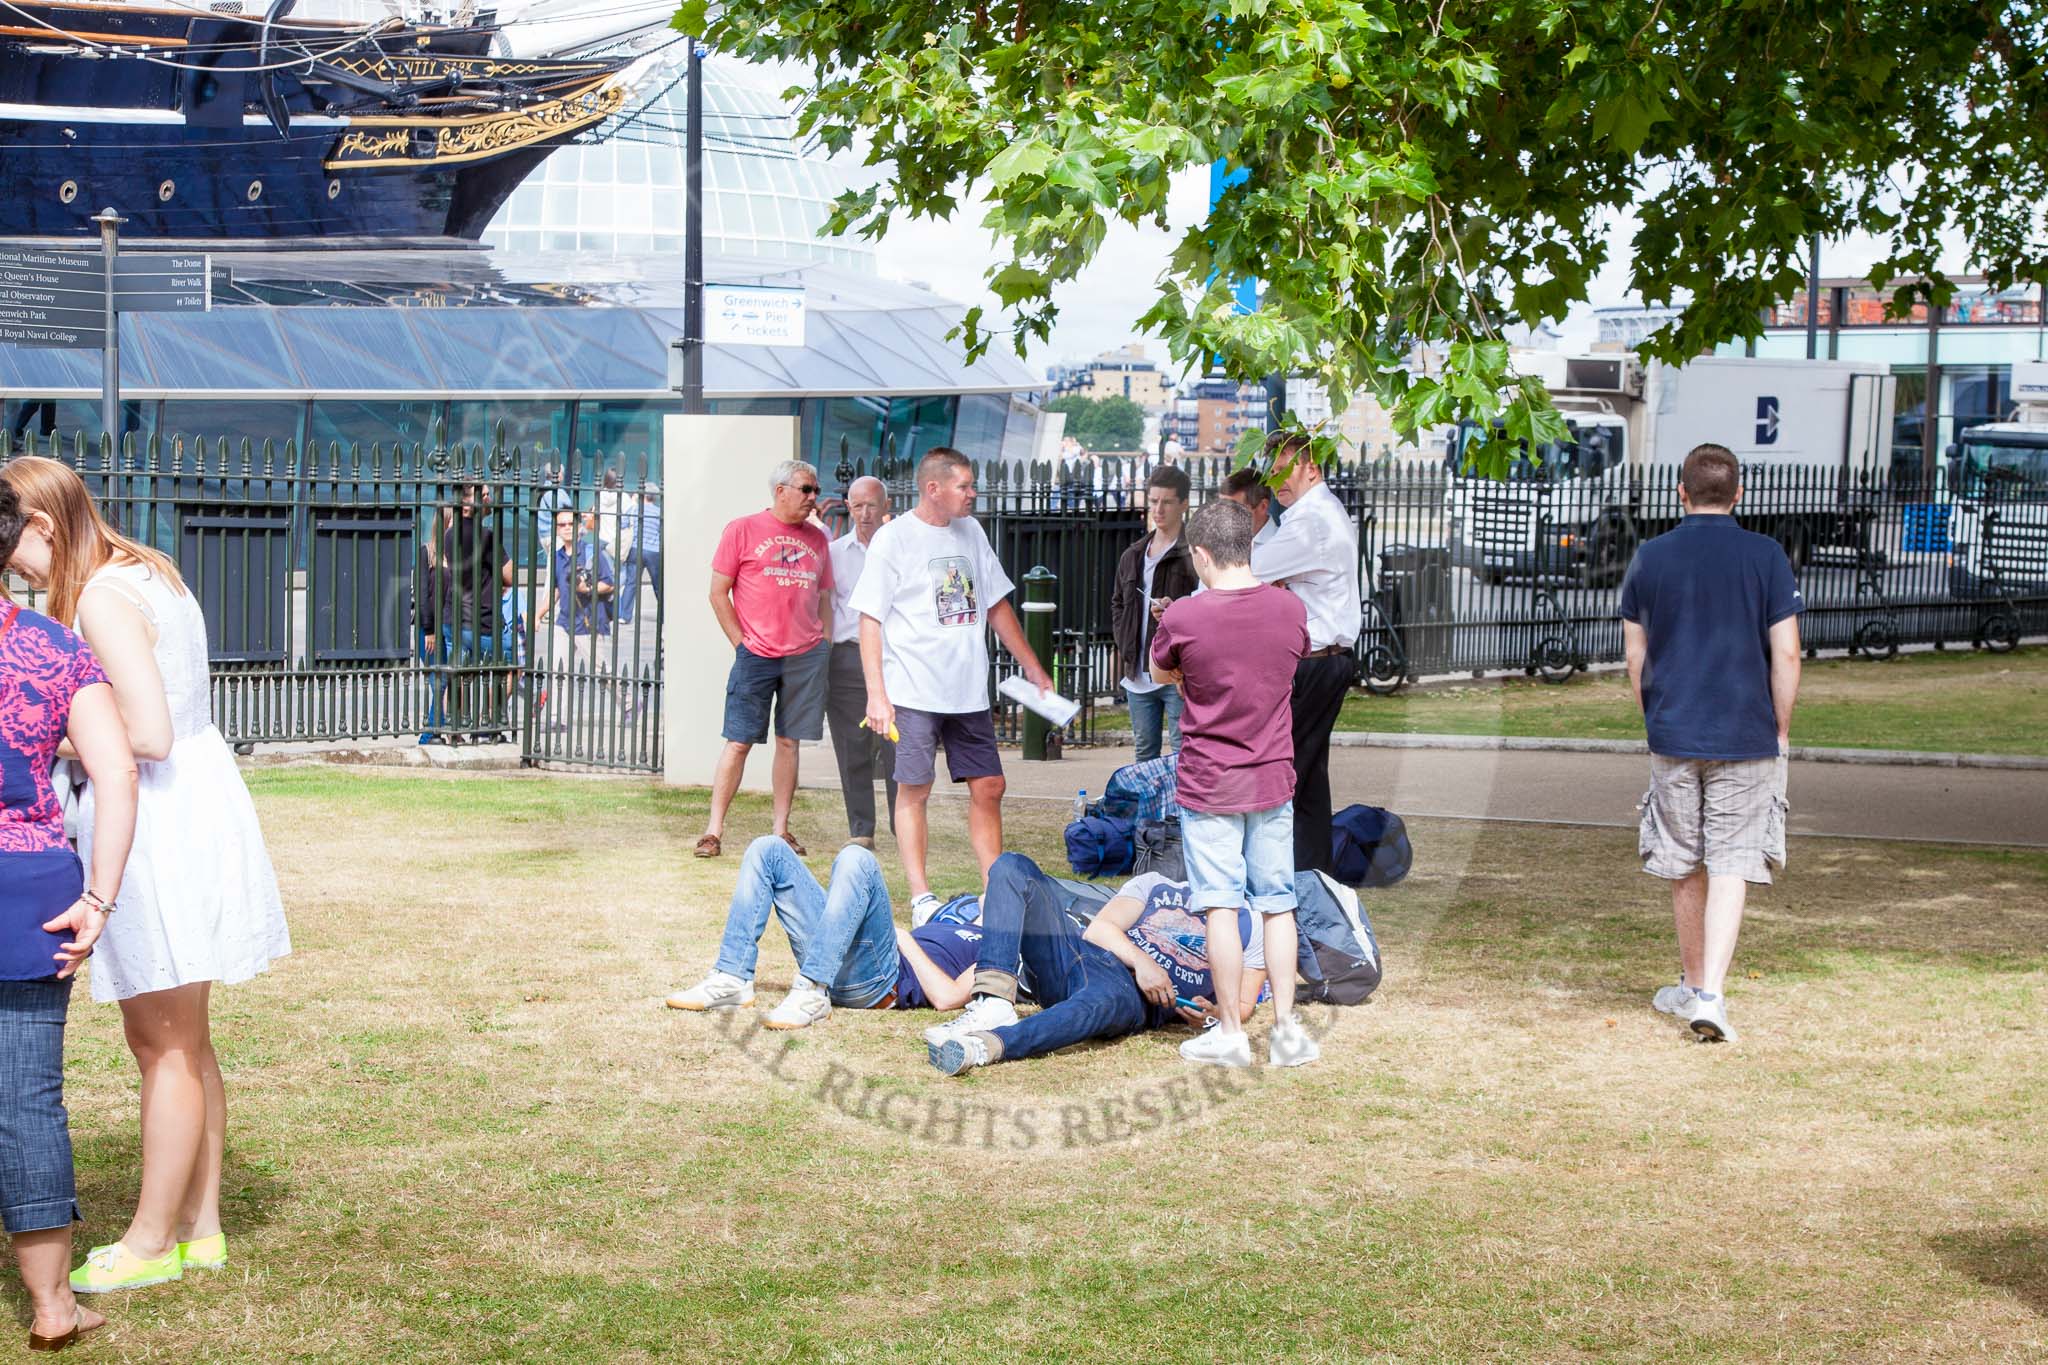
[(809, 490)]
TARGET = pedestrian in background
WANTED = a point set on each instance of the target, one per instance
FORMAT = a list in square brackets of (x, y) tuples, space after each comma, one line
[(1710, 627), (860, 751), (642, 550), (578, 601), (1152, 572), (1314, 555), (771, 589)]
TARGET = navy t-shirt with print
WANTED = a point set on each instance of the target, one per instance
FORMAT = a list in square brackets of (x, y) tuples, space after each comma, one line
[(1174, 934), (953, 947), (1707, 594)]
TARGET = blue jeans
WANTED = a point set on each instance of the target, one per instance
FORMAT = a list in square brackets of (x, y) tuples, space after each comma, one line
[(1148, 711), (844, 940), (1082, 990), (629, 580), (37, 1187), (478, 700)]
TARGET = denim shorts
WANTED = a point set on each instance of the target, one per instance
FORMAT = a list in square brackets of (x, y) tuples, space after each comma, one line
[(37, 1188), (968, 737), (1244, 860), (793, 686)]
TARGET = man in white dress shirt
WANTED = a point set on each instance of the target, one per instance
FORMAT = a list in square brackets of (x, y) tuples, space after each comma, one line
[(1314, 555), (860, 751)]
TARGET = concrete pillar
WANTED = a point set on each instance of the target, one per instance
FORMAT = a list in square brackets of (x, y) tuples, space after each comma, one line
[(714, 468)]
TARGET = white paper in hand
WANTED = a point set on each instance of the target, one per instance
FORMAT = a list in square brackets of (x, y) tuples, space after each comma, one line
[(1056, 709)]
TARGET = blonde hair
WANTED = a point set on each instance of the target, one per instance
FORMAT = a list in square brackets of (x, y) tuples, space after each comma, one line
[(82, 542)]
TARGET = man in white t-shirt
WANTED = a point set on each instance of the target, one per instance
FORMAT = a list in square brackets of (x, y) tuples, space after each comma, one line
[(929, 593), (1314, 555)]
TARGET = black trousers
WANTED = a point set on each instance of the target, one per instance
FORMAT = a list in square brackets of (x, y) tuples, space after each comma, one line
[(860, 752), (1320, 685)]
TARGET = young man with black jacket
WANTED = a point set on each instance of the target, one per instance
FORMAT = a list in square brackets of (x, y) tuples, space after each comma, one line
[(1154, 571)]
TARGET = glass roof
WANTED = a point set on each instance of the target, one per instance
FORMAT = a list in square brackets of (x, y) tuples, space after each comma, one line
[(453, 322)]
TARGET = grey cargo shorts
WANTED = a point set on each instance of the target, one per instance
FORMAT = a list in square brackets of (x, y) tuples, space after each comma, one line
[(1729, 816)]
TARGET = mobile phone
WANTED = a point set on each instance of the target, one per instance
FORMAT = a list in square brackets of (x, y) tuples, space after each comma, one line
[(1187, 1004)]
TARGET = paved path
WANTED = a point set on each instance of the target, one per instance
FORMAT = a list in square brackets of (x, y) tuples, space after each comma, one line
[(1962, 805)]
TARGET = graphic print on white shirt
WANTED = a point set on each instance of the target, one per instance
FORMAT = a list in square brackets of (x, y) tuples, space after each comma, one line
[(953, 591)]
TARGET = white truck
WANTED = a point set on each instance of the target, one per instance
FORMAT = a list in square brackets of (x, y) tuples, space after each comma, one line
[(1998, 506), (1577, 510)]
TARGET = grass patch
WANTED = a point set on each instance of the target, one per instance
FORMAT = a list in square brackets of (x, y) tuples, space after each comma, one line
[(1947, 702), (464, 1128)]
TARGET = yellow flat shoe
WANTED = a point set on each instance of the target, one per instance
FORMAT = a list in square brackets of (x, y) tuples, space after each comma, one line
[(114, 1267), (207, 1253)]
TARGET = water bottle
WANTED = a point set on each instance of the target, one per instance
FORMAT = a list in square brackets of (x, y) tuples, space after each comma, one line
[(1081, 803)]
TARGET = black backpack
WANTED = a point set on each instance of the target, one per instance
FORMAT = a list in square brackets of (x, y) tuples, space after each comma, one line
[(1339, 961)]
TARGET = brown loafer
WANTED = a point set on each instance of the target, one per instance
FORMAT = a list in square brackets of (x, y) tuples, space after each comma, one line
[(795, 847), (708, 847)]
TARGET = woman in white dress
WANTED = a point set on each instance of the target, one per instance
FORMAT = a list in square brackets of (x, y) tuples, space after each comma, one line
[(199, 901)]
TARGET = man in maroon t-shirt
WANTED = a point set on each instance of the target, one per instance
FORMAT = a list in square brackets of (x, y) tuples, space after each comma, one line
[(1232, 648), (771, 588)]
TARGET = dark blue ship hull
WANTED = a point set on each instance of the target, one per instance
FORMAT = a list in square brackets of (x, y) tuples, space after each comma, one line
[(173, 180), (272, 131)]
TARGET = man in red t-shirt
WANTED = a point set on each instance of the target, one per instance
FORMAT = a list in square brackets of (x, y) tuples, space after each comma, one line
[(771, 588)]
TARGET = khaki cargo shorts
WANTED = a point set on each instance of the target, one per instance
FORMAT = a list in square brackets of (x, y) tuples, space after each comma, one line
[(1729, 816)]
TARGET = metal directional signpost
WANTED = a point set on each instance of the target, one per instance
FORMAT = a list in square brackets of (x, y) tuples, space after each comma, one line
[(60, 297)]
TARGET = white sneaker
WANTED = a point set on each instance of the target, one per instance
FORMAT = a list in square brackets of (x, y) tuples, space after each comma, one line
[(1217, 1048), (1290, 1045), (1709, 1018), (1673, 999), (983, 1012), (922, 909), (805, 1005), (956, 1055), (718, 991)]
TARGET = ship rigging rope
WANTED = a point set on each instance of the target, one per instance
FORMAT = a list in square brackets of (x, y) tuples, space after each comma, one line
[(107, 50)]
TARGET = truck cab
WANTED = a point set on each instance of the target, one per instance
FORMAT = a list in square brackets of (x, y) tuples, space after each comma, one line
[(1998, 508), (1557, 515)]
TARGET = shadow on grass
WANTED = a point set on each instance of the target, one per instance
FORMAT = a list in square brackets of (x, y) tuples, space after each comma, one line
[(2014, 1259)]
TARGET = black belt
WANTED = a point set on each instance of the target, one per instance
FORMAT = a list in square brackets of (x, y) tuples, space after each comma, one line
[(1326, 651)]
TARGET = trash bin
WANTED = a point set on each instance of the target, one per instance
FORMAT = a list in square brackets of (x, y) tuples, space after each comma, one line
[(1414, 591)]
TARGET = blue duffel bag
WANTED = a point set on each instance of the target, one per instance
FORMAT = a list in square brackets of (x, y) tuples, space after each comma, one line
[(1100, 846)]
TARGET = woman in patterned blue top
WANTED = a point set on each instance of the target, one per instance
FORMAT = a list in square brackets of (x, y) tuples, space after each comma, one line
[(51, 690)]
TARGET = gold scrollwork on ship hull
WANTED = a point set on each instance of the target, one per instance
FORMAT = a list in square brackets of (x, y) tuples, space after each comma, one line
[(429, 67), (369, 146), (475, 139)]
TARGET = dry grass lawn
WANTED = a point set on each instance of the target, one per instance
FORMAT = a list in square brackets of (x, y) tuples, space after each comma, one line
[(465, 1129), (1957, 702)]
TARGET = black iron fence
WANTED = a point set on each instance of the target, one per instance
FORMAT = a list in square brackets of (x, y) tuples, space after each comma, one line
[(1464, 575), (421, 591), (437, 591)]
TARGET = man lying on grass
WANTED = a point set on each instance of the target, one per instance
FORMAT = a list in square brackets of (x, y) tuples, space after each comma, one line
[(849, 950), (1142, 963)]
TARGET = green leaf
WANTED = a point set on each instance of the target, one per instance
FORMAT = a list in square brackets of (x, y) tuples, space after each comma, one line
[(1018, 160)]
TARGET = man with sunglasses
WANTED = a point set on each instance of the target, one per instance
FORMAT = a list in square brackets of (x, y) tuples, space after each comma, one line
[(771, 589)]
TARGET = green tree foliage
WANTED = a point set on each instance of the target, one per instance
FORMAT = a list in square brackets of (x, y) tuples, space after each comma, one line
[(1431, 172), (1113, 423)]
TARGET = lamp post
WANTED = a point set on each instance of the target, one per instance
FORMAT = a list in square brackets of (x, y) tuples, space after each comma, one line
[(693, 237)]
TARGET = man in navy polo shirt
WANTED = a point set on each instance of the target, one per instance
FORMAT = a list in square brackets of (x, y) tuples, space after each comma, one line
[(1710, 624)]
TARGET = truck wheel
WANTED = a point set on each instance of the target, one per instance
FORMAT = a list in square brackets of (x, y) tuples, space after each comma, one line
[(1876, 640), (2001, 633)]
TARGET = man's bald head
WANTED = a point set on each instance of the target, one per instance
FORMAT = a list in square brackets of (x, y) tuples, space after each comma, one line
[(867, 506)]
